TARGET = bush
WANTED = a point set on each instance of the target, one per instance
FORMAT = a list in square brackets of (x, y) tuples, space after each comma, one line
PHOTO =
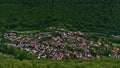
[(16, 52), (97, 63)]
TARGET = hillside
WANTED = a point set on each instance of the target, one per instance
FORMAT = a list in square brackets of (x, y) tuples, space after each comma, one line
[(85, 15), (7, 62)]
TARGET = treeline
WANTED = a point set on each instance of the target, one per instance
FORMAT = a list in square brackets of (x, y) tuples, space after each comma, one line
[(86, 15), (16, 52), (97, 63)]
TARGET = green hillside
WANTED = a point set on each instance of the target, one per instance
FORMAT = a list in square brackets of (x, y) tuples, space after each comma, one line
[(6, 62), (85, 15)]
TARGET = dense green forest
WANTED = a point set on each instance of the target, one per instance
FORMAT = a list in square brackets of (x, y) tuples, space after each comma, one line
[(100, 16)]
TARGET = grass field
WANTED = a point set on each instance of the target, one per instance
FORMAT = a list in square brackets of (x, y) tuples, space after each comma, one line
[(116, 44)]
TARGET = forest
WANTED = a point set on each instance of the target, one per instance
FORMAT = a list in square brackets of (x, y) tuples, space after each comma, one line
[(101, 16), (96, 18)]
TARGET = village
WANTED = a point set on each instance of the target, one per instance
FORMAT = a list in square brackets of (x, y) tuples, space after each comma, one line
[(60, 44)]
